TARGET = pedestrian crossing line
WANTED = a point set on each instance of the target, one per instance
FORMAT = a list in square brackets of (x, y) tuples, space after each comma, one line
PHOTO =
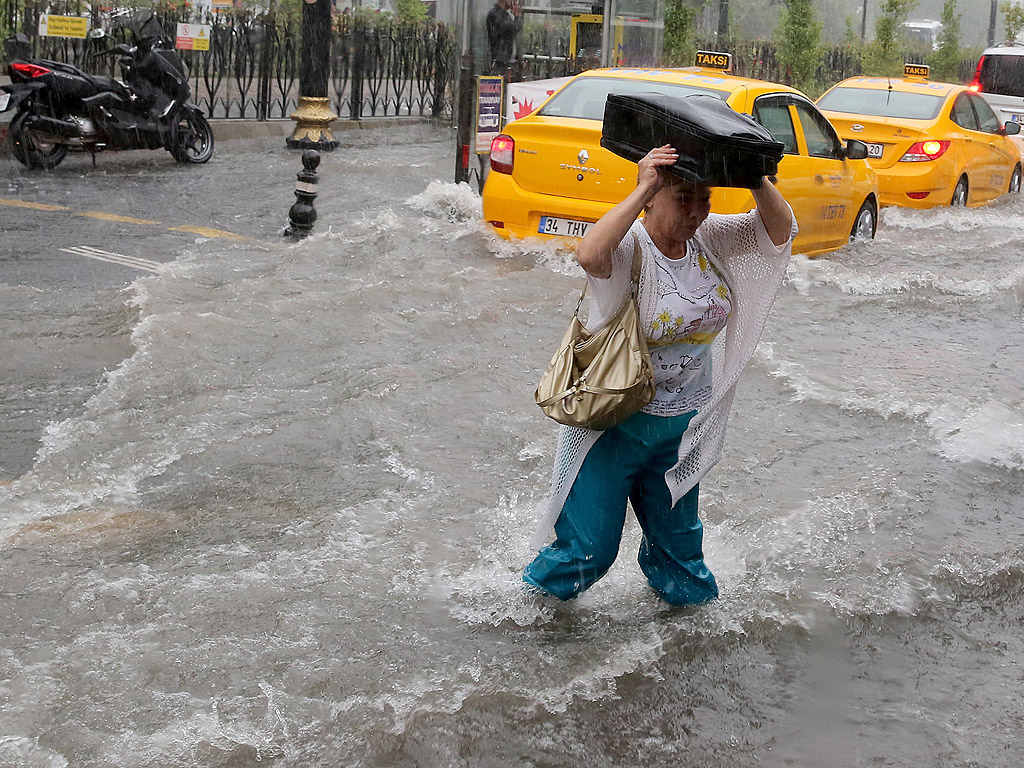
[(115, 217), (208, 232), (34, 206), (135, 262)]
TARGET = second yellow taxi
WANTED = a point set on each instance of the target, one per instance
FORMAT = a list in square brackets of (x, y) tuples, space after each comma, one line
[(549, 174), (930, 143)]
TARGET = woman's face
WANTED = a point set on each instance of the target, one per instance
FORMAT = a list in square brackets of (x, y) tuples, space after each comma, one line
[(679, 208)]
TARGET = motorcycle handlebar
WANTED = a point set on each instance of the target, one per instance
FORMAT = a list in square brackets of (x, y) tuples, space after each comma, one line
[(120, 49)]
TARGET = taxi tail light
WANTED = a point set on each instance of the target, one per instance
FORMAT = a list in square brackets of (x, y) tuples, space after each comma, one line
[(918, 195), (28, 71), (503, 149), (923, 151)]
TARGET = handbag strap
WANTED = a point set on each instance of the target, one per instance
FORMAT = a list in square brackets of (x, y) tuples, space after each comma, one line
[(634, 276)]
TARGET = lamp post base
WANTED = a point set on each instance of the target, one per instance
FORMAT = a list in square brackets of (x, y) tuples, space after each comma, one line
[(312, 119)]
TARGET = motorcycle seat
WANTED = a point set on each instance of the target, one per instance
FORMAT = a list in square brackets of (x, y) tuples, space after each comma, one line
[(105, 83)]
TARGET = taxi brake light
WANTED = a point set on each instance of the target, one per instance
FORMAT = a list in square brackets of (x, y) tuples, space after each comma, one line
[(29, 70), (923, 151), (503, 150)]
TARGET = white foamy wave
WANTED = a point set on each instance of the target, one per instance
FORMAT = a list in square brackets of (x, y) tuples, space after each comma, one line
[(550, 252), (25, 752), (992, 433), (224, 730), (785, 565), (962, 573), (884, 402), (804, 273), (451, 202), (1005, 214)]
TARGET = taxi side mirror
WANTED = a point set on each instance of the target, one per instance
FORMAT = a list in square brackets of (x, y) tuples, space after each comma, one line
[(856, 150), (1011, 129)]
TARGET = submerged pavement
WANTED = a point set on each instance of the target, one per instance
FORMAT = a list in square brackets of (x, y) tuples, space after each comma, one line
[(76, 237)]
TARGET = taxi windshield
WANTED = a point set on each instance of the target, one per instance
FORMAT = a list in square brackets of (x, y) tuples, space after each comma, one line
[(879, 103), (585, 96)]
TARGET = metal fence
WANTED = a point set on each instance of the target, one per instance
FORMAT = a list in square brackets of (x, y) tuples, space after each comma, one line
[(759, 59), (251, 70)]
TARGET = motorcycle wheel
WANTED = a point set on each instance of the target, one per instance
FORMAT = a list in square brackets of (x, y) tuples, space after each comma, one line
[(191, 139), (31, 153)]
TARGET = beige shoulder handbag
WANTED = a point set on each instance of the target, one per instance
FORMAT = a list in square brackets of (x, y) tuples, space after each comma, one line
[(598, 380)]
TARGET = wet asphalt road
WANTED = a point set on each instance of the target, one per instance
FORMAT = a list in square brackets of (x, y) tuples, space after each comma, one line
[(74, 239)]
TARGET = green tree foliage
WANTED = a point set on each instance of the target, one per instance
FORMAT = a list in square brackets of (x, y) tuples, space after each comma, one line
[(851, 34), (882, 57), (410, 10), (680, 32), (1013, 20), (945, 62), (799, 43)]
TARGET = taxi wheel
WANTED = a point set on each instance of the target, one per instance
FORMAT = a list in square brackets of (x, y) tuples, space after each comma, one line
[(1015, 182), (866, 223), (960, 193)]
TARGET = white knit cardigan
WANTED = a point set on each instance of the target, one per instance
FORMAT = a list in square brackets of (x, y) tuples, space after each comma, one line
[(753, 267)]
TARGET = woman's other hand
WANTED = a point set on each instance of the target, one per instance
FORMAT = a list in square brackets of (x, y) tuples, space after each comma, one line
[(649, 178), (774, 212), (594, 252)]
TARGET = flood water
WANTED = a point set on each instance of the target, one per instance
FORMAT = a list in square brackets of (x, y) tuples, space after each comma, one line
[(288, 527)]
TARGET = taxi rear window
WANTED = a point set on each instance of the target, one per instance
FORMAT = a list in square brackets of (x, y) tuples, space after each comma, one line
[(864, 101), (1002, 74), (585, 96)]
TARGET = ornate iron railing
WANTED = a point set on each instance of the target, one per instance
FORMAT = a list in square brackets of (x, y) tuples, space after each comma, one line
[(251, 70)]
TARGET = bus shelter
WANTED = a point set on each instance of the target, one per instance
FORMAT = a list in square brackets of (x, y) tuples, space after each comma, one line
[(556, 39)]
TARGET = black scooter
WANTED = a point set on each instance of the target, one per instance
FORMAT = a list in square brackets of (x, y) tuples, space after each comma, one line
[(60, 107)]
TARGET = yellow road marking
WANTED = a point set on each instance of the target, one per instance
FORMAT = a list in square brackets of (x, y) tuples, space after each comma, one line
[(115, 217), (34, 206), (204, 231), (208, 232)]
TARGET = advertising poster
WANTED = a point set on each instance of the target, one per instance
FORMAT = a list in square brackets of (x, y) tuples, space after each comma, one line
[(489, 92)]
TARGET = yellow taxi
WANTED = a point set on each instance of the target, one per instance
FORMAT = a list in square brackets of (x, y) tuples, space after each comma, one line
[(931, 143), (550, 176)]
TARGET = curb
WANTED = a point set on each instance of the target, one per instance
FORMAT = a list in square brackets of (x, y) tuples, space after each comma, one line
[(236, 129), (231, 129)]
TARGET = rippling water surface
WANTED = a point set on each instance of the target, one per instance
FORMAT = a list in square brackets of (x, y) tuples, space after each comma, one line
[(288, 527)]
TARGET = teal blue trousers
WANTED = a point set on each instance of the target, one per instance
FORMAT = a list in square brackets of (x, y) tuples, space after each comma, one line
[(628, 461)]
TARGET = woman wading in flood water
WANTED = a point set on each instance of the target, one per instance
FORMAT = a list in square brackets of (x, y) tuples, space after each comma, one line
[(702, 274)]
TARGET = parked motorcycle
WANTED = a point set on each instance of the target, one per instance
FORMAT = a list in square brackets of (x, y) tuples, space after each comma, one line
[(60, 107)]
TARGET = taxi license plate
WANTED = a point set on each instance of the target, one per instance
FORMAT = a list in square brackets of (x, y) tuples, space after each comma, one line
[(5, 99), (874, 150), (550, 225)]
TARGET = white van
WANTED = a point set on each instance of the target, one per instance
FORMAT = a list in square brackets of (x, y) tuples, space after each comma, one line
[(1000, 79)]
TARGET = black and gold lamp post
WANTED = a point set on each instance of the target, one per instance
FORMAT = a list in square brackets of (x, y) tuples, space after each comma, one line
[(313, 115)]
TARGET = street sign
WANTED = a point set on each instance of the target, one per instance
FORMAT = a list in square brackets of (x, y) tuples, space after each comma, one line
[(193, 37), (488, 110), (63, 26)]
